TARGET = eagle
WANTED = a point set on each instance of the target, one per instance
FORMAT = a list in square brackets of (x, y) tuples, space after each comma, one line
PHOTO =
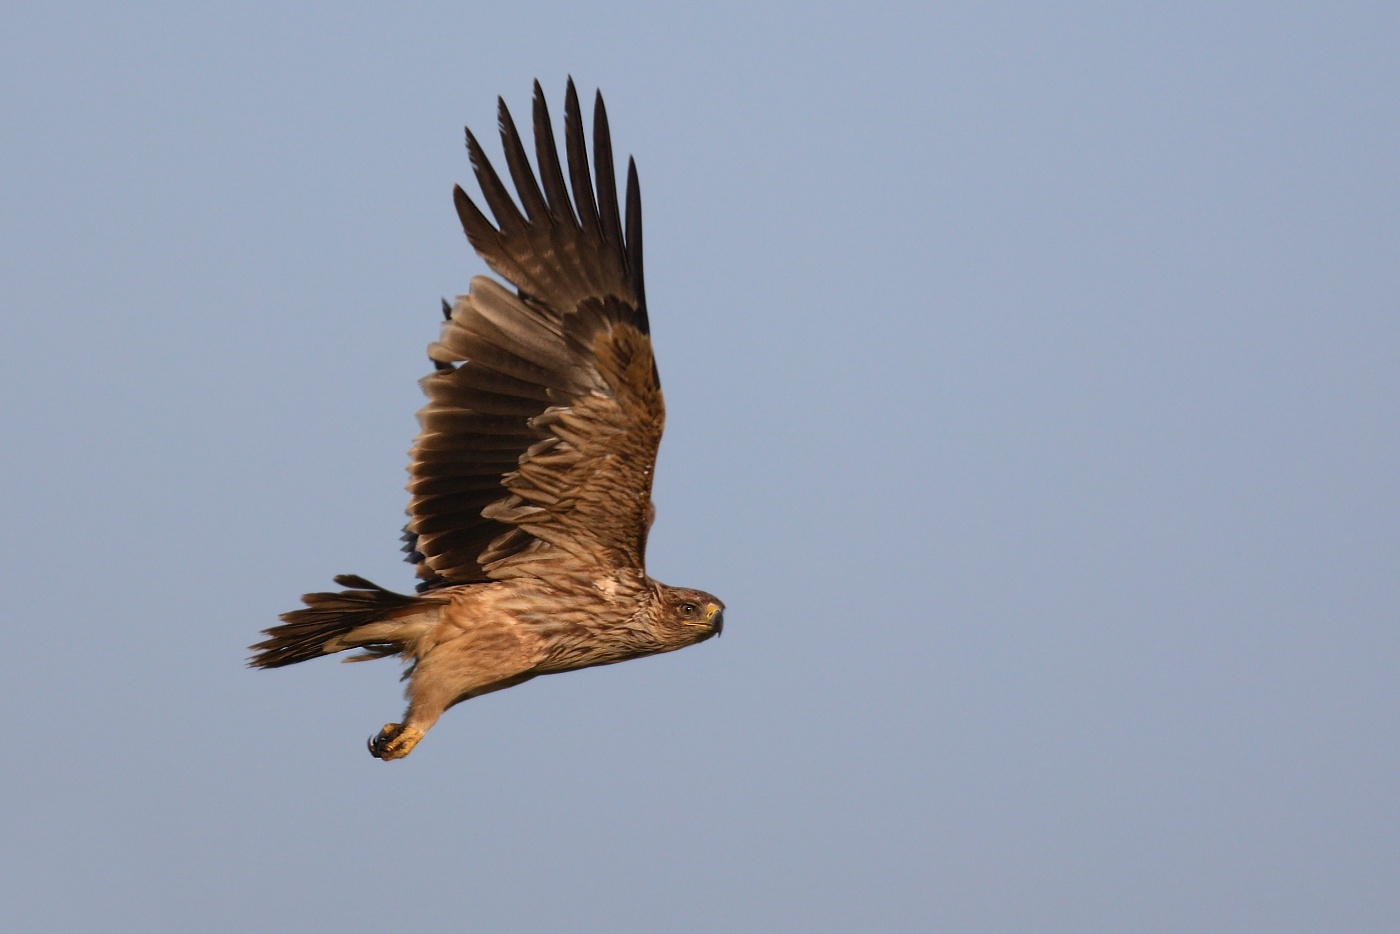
[(530, 477)]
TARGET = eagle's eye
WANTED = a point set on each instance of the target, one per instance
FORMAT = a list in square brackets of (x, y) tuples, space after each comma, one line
[(689, 609)]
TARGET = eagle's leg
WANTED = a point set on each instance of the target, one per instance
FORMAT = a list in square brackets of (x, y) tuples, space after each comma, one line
[(454, 670), (427, 699)]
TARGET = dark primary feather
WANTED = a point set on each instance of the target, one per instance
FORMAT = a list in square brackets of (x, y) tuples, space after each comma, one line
[(544, 413), (578, 162), (560, 252)]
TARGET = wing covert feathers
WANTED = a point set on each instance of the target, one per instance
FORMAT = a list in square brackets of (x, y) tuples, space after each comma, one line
[(544, 413)]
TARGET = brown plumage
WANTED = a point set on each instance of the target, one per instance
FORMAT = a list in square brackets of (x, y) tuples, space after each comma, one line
[(531, 476)]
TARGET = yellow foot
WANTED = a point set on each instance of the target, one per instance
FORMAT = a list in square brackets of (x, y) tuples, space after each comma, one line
[(394, 741)]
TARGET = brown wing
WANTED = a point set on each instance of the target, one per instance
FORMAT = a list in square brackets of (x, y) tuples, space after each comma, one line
[(540, 434)]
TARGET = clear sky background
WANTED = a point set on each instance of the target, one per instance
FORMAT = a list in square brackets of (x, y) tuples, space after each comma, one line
[(1033, 375)]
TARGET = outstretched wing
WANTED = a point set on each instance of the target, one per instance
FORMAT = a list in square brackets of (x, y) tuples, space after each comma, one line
[(540, 434)]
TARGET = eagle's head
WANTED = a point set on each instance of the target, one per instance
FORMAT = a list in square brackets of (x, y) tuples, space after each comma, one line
[(684, 616)]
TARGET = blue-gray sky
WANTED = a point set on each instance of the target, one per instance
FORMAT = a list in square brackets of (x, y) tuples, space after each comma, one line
[(1033, 375)]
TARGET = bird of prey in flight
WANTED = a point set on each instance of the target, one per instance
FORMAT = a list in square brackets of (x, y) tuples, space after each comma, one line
[(531, 474)]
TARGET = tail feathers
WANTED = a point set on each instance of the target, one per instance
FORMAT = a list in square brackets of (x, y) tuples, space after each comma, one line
[(367, 616)]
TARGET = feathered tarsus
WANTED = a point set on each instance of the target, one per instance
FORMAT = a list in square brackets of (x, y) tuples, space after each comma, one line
[(531, 474)]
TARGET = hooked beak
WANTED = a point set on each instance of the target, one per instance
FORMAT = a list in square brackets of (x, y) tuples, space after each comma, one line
[(717, 620)]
